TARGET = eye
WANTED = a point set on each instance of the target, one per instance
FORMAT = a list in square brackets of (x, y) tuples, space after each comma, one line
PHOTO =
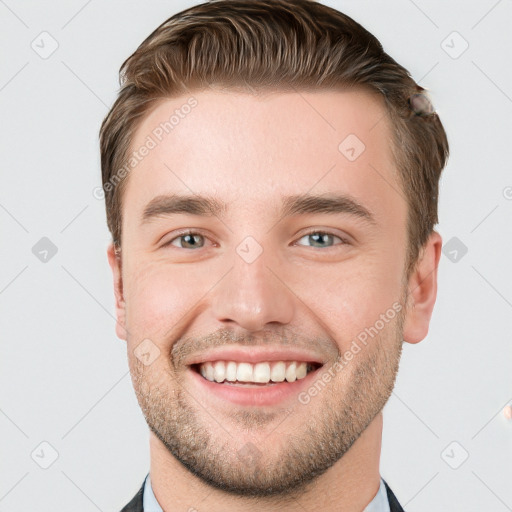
[(194, 240), (187, 240), (320, 238)]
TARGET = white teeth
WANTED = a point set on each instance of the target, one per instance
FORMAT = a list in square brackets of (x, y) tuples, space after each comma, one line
[(301, 370), (231, 371), (218, 371), (209, 371), (244, 372), (278, 371), (291, 374), (262, 373)]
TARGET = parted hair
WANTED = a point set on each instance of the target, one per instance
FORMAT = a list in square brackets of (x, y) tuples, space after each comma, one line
[(277, 45)]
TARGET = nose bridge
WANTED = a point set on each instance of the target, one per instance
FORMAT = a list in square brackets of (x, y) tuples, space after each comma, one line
[(250, 294)]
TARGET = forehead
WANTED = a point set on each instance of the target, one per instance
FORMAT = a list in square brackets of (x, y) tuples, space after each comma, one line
[(248, 149)]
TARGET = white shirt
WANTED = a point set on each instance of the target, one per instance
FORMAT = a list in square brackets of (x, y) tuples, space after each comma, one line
[(379, 504)]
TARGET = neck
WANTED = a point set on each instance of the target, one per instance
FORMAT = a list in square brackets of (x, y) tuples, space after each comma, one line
[(349, 485)]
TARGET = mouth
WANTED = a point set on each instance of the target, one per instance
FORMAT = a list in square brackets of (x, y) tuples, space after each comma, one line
[(262, 383), (265, 373)]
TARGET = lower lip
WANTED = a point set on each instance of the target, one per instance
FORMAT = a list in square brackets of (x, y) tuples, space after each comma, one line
[(272, 394)]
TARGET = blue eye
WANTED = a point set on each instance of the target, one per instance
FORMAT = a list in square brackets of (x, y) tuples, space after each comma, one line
[(321, 238)]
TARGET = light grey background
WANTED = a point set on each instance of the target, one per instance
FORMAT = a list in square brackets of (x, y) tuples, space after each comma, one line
[(64, 375)]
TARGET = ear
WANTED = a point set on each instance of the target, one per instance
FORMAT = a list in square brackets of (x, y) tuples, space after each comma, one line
[(114, 260), (422, 290)]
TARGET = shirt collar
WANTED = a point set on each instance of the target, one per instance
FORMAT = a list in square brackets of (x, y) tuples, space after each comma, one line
[(149, 503), (379, 503)]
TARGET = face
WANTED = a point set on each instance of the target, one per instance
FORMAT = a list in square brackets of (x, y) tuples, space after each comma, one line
[(260, 284)]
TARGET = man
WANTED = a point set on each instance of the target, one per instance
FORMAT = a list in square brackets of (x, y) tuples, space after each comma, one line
[(271, 183)]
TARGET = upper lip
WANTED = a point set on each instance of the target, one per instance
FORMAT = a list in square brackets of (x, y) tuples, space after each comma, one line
[(256, 355)]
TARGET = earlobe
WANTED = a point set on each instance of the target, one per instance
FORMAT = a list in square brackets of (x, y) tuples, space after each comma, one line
[(422, 291), (114, 260)]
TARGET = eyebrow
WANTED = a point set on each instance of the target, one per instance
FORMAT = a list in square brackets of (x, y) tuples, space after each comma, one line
[(303, 204), (330, 204)]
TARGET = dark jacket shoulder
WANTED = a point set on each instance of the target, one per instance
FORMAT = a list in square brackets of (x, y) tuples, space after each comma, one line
[(394, 506), (135, 504)]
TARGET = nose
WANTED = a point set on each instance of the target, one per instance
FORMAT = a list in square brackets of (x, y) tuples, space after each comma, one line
[(252, 295)]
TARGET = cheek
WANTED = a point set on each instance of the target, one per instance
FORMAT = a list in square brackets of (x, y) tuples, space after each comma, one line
[(353, 297), (158, 297)]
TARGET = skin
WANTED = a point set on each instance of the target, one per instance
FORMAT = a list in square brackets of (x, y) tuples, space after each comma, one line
[(249, 151)]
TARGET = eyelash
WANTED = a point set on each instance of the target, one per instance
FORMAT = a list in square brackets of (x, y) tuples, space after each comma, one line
[(343, 240)]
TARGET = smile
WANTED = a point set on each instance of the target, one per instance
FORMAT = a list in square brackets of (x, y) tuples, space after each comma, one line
[(262, 373), (262, 383)]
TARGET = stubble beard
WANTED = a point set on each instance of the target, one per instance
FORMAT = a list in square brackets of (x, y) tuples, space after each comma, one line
[(327, 427)]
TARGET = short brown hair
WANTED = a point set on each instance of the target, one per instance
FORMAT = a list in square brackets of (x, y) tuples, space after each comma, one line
[(277, 45)]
